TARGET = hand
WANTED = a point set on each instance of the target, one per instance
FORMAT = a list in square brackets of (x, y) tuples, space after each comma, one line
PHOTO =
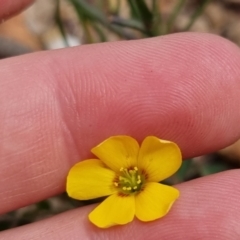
[(56, 105)]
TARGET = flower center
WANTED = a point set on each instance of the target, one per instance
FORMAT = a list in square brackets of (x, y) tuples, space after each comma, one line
[(129, 181)]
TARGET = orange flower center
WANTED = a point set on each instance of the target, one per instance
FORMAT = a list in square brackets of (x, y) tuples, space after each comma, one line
[(129, 180)]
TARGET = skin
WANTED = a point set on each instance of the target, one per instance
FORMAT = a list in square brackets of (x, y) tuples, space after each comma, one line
[(11, 7), (57, 105)]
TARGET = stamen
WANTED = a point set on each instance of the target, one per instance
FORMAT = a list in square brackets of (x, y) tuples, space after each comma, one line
[(130, 180)]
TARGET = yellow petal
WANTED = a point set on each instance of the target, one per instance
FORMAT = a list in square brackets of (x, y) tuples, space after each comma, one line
[(155, 201), (159, 158), (90, 179), (115, 210), (117, 152)]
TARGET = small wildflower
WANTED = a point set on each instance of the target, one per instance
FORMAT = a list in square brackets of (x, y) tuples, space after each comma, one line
[(129, 175)]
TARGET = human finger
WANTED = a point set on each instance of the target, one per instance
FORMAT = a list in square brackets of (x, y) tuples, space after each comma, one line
[(57, 105), (11, 7), (207, 209)]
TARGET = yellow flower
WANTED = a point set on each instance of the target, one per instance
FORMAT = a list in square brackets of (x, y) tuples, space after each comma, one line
[(130, 175)]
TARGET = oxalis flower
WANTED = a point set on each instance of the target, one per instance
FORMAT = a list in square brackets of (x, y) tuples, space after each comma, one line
[(130, 175)]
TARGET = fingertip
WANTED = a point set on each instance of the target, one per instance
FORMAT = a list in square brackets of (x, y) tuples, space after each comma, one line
[(12, 7), (181, 87)]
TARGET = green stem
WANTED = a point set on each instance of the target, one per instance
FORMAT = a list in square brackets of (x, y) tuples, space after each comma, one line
[(157, 19)]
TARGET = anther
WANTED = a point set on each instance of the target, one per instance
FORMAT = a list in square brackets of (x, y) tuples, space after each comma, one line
[(130, 180)]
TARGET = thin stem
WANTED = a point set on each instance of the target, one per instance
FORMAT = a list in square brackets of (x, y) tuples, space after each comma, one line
[(157, 19)]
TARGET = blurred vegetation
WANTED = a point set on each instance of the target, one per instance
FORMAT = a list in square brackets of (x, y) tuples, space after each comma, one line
[(144, 18), (141, 19)]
